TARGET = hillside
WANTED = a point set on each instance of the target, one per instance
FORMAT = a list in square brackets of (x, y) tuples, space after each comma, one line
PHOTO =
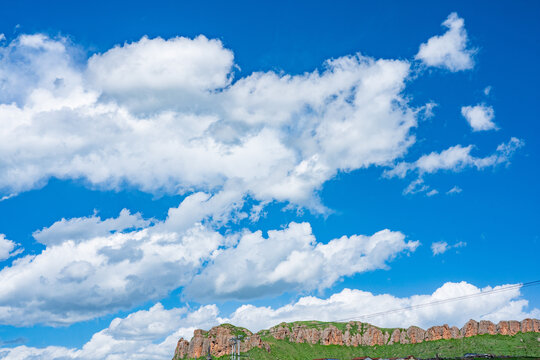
[(315, 339)]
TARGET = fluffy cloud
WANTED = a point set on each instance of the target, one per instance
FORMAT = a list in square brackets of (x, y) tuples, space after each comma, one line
[(154, 72), (440, 247), (165, 115), (291, 259), (480, 117), (352, 304), (79, 229), (450, 49), (147, 334), (91, 267), (8, 248), (456, 158), (152, 334), (78, 278)]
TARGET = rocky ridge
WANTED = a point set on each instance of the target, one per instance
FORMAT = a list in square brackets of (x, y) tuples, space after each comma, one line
[(353, 333)]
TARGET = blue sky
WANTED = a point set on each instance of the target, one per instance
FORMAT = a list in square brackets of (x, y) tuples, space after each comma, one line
[(174, 166)]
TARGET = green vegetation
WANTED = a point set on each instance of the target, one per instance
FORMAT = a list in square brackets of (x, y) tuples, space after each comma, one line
[(236, 330), (520, 345)]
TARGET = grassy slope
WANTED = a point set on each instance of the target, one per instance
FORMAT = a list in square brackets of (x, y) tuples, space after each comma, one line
[(518, 345)]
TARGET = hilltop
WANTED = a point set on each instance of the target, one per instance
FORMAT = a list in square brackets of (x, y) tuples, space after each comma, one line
[(316, 339)]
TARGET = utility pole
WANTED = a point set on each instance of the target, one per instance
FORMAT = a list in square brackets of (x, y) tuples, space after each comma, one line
[(235, 347)]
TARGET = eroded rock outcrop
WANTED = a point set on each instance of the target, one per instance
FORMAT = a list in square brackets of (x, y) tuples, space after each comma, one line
[(353, 333), (487, 327), (217, 341)]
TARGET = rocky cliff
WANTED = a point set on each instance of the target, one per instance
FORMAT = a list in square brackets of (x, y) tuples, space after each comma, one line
[(353, 333), (217, 341)]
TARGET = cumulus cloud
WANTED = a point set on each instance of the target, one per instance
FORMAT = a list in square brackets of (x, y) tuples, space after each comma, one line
[(175, 121), (351, 304), (440, 247), (78, 278), (146, 334), (8, 248), (449, 50), (480, 117), (79, 229), (151, 72), (291, 259), (456, 158), (152, 334)]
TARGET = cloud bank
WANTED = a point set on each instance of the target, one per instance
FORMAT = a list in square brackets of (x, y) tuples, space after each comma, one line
[(153, 333), (84, 274), (165, 116)]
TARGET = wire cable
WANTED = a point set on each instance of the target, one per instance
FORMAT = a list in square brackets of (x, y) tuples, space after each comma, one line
[(444, 301)]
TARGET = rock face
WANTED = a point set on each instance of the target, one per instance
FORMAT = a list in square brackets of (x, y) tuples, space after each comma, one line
[(487, 327), (353, 333), (438, 333), (470, 329), (217, 341)]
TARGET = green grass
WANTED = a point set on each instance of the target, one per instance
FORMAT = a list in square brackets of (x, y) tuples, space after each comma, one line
[(520, 345), (236, 330)]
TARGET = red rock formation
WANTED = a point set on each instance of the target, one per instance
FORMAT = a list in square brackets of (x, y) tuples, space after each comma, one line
[(470, 329), (415, 334), (280, 332), (438, 333), (218, 341), (332, 336), (536, 325), (456, 334), (355, 334), (404, 338), (373, 336), (503, 328), (515, 327), (487, 327), (527, 325), (395, 337), (181, 349)]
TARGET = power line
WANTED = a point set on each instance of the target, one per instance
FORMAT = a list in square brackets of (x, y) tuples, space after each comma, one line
[(444, 301)]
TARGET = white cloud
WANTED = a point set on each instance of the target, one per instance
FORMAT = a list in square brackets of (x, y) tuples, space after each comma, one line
[(88, 271), (351, 304), (176, 122), (432, 192), (76, 278), (8, 248), (456, 158), (450, 49), (2, 37), (152, 334), (147, 334), (480, 117), (487, 90), (291, 259), (147, 73), (79, 229), (455, 190), (440, 247)]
